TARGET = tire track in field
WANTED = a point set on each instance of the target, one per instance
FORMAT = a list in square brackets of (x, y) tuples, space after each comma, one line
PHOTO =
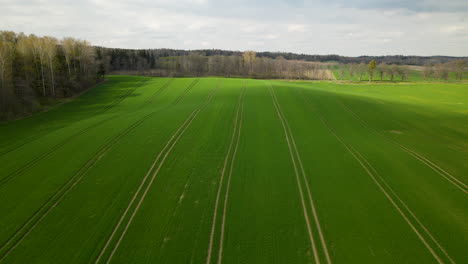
[(161, 89), (161, 157), (53, 130), (381, 187), (294, 154), (223, 223), (58, 196), (235, 136), (405, 206), (129, 92), (449, 177), (40, 134), (187, 90), (68, 139)]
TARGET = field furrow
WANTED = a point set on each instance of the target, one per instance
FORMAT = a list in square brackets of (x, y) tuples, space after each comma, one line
[(230, 170), (227, 166), (52, 202)]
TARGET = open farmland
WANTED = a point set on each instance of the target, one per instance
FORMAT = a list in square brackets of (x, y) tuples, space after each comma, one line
[(218, 170)]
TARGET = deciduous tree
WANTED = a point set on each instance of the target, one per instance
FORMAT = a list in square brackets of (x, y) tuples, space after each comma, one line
[(351, 70), (32, 67), (361, 69), (382, 68), (459, 69), (427, 71), (249, 58), (370, 69)]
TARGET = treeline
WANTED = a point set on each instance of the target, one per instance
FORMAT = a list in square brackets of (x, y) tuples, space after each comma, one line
[(152, 55), (246, 64), (384, 71), (35, 70), (442, 71), (372, 71), (392, 59)]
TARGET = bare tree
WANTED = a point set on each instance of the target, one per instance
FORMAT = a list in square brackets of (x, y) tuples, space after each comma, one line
[(68, 46), (32, 66), (371, 68), (459, 69), (5, 67), (427, 71), (392, 71), (351, 70), (50, 50), (361, 69), (441, 71), (404, 71), (342, 71), (382, 68), (249, 58), (39, 51)]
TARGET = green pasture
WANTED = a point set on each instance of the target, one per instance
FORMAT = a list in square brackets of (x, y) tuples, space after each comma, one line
[(220, 170)]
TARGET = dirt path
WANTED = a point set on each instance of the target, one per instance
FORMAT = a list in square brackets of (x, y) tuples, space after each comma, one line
[(235, 132), (163, 154), (356, 155)]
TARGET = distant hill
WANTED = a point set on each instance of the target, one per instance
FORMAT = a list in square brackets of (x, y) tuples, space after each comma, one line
[(150, 54)]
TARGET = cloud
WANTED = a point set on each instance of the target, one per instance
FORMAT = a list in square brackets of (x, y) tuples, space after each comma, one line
[(296, 28), (453, 29), (354, 27), (206, 43), (270, 36)]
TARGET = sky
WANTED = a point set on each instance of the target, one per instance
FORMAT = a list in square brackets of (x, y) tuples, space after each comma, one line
[(344, 27)]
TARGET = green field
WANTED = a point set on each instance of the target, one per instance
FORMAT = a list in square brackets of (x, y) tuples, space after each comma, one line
[(211, 170)]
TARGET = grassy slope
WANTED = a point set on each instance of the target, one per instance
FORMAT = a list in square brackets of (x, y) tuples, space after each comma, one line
[(264, 220), (92, 102)]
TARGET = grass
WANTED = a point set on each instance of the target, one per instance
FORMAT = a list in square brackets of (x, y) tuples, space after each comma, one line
[(413, 76), (160, 170)]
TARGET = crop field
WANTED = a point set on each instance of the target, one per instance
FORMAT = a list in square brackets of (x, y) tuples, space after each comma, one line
[(219, 170)]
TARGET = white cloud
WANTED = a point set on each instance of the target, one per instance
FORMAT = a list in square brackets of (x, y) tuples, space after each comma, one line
[(270, 36), (296, 28), (206, 44), (305, 27), (255, 43), (452, 29)]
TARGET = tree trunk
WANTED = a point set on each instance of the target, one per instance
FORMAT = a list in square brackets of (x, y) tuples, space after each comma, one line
[(3, 93), (52, 75), (43, 81), (68, 66)]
